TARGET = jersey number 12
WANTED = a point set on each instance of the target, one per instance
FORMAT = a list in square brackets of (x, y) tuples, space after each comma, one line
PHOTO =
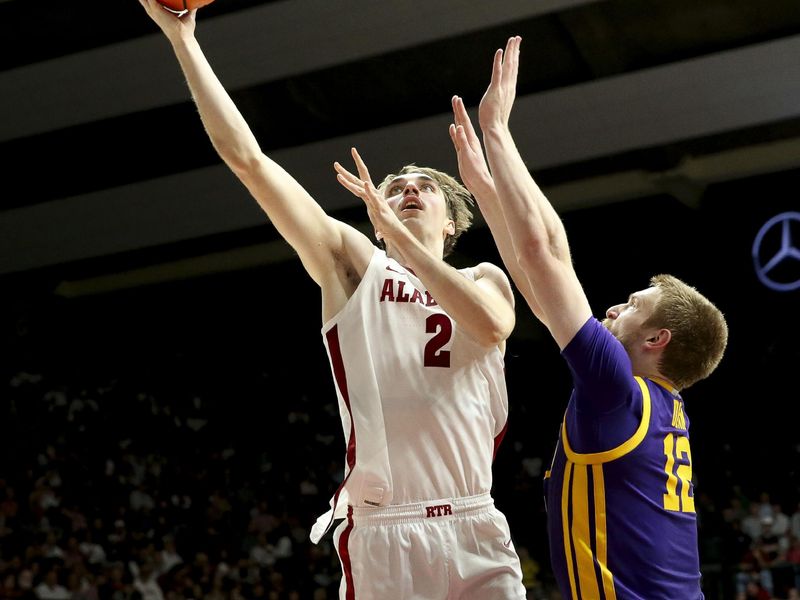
[(676, 448)]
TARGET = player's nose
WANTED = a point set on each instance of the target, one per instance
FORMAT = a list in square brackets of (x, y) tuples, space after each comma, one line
[(613, 312)]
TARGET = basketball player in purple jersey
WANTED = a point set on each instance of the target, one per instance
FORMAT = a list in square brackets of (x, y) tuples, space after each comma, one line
[(416, 351), (619, 496)]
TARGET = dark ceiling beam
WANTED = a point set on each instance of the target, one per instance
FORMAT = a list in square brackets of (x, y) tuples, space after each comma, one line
[(252, 46), (694, 98), (686, 183), (700, 97)]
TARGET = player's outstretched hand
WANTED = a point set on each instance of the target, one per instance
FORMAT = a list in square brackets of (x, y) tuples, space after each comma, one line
[(495, 107), (380, 214), (172, 24), (471, 162)]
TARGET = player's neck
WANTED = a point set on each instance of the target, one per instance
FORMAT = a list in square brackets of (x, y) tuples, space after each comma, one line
[(434, 247), (646, 364), (653, 373)]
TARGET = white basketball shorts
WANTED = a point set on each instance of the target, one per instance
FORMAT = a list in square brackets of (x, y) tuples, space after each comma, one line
[(449, 549)]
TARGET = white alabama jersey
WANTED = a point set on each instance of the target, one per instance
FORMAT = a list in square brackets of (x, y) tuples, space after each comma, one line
[(423, 406)]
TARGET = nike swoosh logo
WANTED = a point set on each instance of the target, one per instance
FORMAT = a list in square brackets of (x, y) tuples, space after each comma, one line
[(388, 268), (507, 544)]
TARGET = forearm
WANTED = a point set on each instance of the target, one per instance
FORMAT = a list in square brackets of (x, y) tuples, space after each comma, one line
[(492, 211), (533, 224), (483, 189), (293, 212), (227, 129), (486, 317), (539, 239)]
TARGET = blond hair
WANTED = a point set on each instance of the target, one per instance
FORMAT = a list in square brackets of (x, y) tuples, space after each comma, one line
[(456, 196), (698, 328)]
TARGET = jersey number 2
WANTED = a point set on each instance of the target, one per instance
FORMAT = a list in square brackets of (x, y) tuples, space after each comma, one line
[(676, 448), (442, 326)]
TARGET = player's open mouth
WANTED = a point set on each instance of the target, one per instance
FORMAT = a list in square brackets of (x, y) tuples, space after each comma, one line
[(410, 204)]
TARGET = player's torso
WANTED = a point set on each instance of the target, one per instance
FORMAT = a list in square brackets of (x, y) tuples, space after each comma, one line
[(622, 521), (425, 400)]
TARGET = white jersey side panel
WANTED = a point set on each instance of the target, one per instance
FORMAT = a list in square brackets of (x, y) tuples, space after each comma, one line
[(421, 402)]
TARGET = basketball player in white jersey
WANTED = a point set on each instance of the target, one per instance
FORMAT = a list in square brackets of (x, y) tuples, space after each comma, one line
[(416, 352)]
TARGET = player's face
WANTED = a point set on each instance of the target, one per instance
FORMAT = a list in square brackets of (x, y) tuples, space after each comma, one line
[(415, 197), (626, 321)]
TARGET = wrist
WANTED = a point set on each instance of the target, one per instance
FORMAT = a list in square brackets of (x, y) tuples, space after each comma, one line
[(181, 39), (495, 129), (497, 138), (483, 187)]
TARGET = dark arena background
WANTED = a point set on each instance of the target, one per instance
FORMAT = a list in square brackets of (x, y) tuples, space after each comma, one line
[(169, 421)]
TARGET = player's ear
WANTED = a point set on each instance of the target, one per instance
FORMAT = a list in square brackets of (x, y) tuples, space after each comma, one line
[(658, 338), (450, 227)]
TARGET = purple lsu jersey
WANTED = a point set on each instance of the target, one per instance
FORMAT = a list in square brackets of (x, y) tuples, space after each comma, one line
[(619, 496)]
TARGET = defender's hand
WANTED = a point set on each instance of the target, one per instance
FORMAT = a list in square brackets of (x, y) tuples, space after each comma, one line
[(471, 162), (495, 107)]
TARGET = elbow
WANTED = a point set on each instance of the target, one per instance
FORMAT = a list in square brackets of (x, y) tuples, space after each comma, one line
[(241, 163), (498, 330), (532, 254), (241, 158), (493, 338), (499, 336)]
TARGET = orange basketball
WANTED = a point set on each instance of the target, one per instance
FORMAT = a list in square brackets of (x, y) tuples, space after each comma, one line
[(181, 5)]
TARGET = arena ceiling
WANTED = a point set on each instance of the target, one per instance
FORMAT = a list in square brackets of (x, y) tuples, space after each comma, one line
[(106, 165)]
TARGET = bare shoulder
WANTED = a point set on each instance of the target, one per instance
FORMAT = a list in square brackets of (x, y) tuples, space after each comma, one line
[(491, 274), (350, 257), (356, 250)]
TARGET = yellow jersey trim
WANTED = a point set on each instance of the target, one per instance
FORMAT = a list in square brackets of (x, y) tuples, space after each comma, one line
[(581, 535), (577, 536), (565, 498), (601, 535), (596, 458), (665, 384)]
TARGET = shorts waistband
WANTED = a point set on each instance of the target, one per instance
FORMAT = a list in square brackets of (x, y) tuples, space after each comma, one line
[(447, 508)]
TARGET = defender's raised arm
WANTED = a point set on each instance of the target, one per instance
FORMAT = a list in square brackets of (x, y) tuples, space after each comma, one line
[(536, 232)]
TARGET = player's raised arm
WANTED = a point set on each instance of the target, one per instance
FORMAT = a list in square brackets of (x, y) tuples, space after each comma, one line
[(476, 177), (535, 230), (297, 217)]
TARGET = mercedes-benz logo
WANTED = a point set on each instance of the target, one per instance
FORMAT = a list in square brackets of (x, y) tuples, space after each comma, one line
[(775, 255)]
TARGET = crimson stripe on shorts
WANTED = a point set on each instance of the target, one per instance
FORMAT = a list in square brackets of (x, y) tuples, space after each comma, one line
[(344, 554)]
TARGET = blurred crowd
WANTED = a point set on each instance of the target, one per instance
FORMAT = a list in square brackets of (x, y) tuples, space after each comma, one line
[(114, 491), (763, 543), (110, 493)]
